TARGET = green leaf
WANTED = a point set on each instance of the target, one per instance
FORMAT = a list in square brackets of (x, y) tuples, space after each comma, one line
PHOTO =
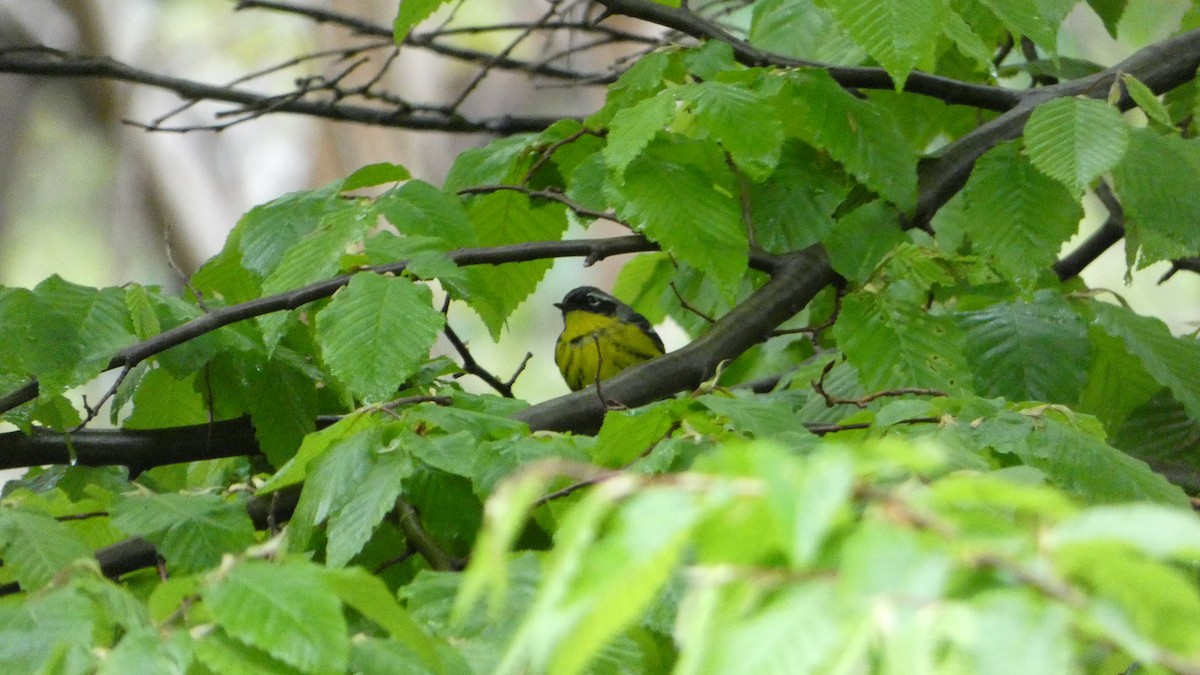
[(1074, 140), (706, 229), (897, 33), (1146, 100), (508, 218), (1024, 350), (1016, 632), (283, 408), (1173, 361), (376, 332), (801, 29), (1016, 216), (1154, 182), (412, 12), (225, 655), (793, 208), (36, 547), (317, 444), (373, 497), (369, 596), (626, 435), (1038, 20), (334, 466), (163, 400), (375, 174), (896, 344), (284, 609), (51, 632), (862, 238), (1110, 12), (1155, 530), (806, 499), (65, 334), (191, 531), (632, 129), (1116, 385), (267, 231), (1073, 459), (418, 208), (741, 119), (146, 651), (316, 256), (880, 558), (858, 134)]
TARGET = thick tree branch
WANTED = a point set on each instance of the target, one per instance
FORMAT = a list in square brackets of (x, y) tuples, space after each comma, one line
[(795, 280)]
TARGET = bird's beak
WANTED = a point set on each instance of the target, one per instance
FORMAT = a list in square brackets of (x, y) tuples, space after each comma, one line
[(558, 305)]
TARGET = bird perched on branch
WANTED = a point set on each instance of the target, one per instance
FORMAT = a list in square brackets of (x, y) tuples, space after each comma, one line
[(601, 337)]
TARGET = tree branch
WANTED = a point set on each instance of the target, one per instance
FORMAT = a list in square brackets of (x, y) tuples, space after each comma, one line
[(942, 88), (591, 249), (48, 62)]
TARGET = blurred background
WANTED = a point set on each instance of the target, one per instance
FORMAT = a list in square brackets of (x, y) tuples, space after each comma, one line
[(101, 202)]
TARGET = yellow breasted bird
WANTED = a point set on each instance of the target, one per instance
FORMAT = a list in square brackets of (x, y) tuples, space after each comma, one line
[(601, 336)]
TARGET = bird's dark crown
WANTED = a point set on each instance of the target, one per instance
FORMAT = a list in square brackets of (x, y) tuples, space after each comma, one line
[(589, 299)]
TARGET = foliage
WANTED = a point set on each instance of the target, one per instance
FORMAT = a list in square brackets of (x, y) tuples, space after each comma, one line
[(946, 470)]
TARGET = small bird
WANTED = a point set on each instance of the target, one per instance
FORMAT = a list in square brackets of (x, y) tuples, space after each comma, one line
[(601, 337)]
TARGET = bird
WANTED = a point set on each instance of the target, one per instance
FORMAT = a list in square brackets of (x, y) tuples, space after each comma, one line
[(601, 337)]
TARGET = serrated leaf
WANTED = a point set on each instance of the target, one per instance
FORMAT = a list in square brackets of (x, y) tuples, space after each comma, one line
[(147, 651), (163, 400), (628, 434), (1173, 361), (65, 334), (283, 408), (411, 13), (191, 531), (897, 33), (375, 174), (1155, 183), (314, 257), (373, 497), (632, 129), (225, 655), (333, 465), (705, 229), (1038, 20), (1074, 140), (266, 232), (1146, 100), (801, 29), (1017, 633), (369, 596), (793, 208), (741, 119), (284, 609), (1110, 12), (857, 134), (1075, 461), (376, 333), (862, 238), (790, 633), (418, 208), (968, 41), (1155, 530), (1017, 217), (1028, 350), (895, 344), (508, 218), (36, 547)]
